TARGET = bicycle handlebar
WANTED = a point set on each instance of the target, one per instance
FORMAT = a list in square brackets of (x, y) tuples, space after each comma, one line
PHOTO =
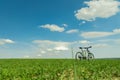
[(85, 47)]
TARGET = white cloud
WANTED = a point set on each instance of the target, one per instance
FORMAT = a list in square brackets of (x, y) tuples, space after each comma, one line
[(95, 34), (53, 27), (39, 55), (65, 25), (83, 22), (43, 52), (72, 31), (116, 30), (117, 41), (61, 48), (84, 42), (26, 56), (6, 41), (81, 43), (105, 40), (98, 8), (110, 41), (48, 48), (100, 45), (48, 45)]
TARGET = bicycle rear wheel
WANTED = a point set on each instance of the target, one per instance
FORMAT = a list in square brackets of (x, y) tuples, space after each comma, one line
[(90, 56)]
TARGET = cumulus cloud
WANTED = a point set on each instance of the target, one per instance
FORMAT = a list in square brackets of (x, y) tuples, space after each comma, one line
[(26, 56), (53, 27), (48, 45), (98, 9), (51, 49), (65, 25), (43, 52), (116, 30), (48, 48), (117, 41), (61, 48), (72, 31), (84, 42), (6, 41), (96, 34), (102, 45), (81, 43), (39, 55), (83, 22)]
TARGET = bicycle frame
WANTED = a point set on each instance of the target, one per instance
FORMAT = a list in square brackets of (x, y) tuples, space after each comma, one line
[(84, 52)]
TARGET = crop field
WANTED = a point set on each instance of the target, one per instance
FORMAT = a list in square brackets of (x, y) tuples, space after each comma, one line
[(59, 69)]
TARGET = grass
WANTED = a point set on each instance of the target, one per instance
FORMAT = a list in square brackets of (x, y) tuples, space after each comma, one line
[(59, 69)]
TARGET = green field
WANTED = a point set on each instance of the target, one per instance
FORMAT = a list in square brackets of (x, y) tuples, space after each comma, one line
[(59, 69)]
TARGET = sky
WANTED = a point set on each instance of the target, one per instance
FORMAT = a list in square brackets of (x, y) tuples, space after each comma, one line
[(56, 28)]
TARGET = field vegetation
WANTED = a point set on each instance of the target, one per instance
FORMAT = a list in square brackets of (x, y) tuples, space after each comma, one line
[(59, 69)]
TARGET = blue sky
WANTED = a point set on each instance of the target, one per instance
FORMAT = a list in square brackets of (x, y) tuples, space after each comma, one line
[(48, 29)]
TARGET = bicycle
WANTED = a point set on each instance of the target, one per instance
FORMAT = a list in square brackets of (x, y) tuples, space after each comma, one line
[(84, 54)]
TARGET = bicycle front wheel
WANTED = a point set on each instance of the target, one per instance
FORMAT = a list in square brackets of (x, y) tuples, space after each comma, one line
[(78, 56)]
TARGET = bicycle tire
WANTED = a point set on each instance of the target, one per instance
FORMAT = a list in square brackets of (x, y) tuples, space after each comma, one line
[(90, 56), (78, 56)]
